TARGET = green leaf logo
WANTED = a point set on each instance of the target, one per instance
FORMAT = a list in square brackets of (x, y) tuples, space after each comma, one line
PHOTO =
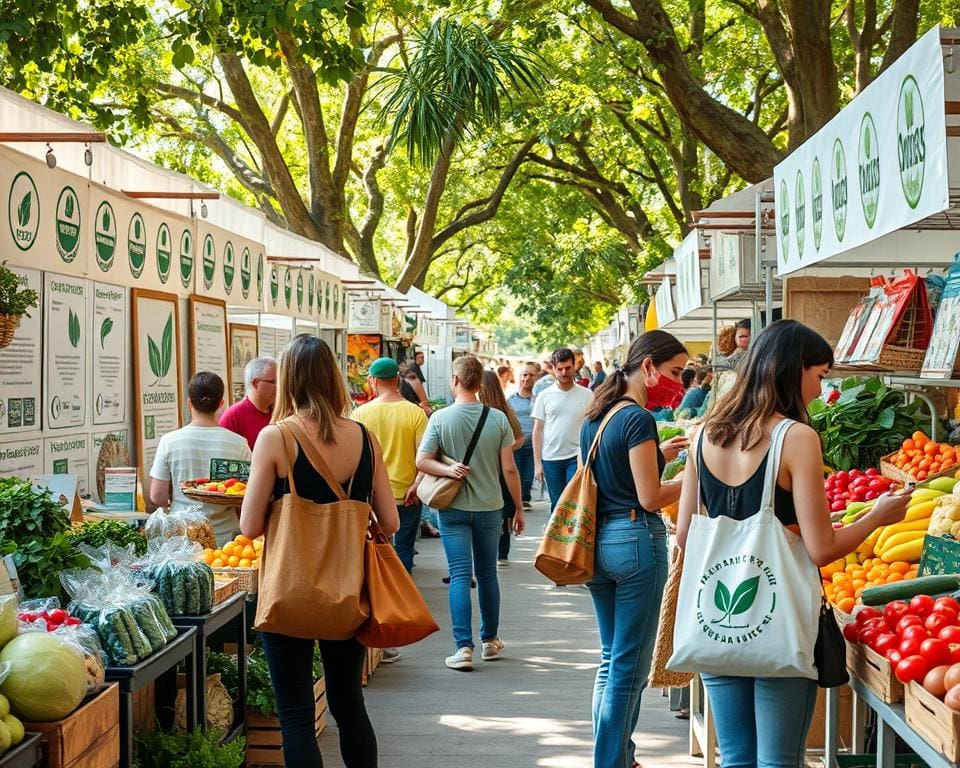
[(163, 236), (68, 225), (68, 206), (23, 210), (105, 327), (164, 256), (739, 602), (161, 356), (867, 141), (908, 108), (106, 218), (73, 328), (137, 229)]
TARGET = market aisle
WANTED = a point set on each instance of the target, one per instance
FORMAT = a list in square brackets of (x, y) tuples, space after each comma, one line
[(529, 710)]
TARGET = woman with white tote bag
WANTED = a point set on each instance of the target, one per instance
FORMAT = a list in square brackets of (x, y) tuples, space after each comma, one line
[(749, 598)]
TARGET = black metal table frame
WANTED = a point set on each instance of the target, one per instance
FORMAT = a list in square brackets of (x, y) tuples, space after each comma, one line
[(133, 678)]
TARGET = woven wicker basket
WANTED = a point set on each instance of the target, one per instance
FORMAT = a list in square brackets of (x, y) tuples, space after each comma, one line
[(8, 326), (247, 578), (660, 676)]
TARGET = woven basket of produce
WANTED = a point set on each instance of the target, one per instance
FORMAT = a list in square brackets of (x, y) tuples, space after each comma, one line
[(219, 706)]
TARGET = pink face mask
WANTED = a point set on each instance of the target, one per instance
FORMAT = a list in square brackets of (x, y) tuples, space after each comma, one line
[(664, 393)]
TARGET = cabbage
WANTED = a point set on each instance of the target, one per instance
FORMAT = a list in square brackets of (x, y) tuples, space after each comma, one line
[(47, 679)]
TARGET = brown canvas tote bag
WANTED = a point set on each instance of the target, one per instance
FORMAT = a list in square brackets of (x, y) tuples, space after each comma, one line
[(311, 569)]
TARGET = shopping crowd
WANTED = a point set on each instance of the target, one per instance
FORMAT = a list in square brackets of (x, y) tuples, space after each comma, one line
[(506, 429)]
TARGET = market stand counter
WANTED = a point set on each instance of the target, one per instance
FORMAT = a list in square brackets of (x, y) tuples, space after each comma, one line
[(89, 737), (24, 755)]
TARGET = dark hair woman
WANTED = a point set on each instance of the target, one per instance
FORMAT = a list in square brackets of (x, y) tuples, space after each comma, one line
[(765, 720), (311, 389), (631, 550)]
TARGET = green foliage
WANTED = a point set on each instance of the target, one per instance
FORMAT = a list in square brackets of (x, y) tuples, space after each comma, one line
[(27, 512), (180, 749), (40, 561), (260, 695), (15, 299), (96, 534)]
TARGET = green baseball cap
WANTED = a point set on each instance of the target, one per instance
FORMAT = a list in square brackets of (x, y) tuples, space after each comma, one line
[(384, 368)]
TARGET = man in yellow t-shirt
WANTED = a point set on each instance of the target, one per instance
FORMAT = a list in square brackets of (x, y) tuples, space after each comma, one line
[(398, 425)]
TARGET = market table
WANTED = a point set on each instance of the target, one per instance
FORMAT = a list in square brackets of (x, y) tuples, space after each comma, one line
[(229, 611), (25, 755), (133, 678)]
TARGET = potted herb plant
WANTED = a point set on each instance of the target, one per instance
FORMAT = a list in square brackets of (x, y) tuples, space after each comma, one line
[(15, 301)]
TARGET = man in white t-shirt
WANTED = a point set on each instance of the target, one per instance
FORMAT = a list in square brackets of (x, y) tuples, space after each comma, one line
[(558, 414), (185, 454)]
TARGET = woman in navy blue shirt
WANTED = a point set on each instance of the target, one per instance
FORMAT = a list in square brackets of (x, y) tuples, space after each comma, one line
[(631, 554)]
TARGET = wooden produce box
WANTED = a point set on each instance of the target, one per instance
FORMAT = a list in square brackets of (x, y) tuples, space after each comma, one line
[(934, 721), (89, 737), (145, 708), (264, 740), (25, 755), (224, 587), (875, 672), (889, 470)]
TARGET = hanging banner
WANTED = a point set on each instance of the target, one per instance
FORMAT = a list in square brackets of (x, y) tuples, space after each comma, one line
[(873, 169), (244, 343), (689, 283), (109, 354), (278, 294), (364, 315), (22, 459), (209, 349), (21, 365), (664, 303), (156, 370), (66, 351), (229, 268), (46, 215), (69, 455)]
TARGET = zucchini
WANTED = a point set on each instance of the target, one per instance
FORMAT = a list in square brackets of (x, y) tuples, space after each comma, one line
[(904, 590)]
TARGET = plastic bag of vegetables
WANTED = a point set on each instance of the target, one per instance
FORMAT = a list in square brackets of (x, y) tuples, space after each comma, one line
[(189, 522), (180, 577)]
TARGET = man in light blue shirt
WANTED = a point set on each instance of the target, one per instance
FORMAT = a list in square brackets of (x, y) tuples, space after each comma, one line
[(522, 403)]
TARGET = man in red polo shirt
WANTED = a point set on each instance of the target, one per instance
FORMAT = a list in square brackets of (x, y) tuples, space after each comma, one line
[(253, 413)]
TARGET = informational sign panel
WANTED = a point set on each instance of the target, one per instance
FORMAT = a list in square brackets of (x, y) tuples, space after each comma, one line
[(689, 283), (268, 341), (876, 167), (21, 459), (21, 365), (66, 351), (244, 345), (364, 314), (283, 338), (69, 455), (209, 350), (109, 354), (156, 370), (664, 303)]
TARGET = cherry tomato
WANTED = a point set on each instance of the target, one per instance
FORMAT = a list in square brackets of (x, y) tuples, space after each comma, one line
[(72, 621), (912, 668), (58, 615), (872, 471), (868, 612), (908, 621), (886, 642), (915, 631), (910, 647), (851, 633), (935, 651), (947, 601), (950, 634), (921, 605), (955, 653), (895, 611), (937, 621), (878, 624)]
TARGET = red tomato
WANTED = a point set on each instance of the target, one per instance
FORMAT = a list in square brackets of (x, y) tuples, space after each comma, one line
[(921, 605), (937, 621), (868, 612), (58, 616), (878, 624), (912, 668), (72, 621), (948, 602), (908, 621), (869, 636), (944, 610), (893, 657), (851, 633), (886, 642), (895, 611), (910, 646), (915, 631), (935, 651), (950, 634), (955, 653), (872, 471)]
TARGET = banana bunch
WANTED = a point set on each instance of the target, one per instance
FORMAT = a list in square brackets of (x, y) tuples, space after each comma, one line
[(904, 540)]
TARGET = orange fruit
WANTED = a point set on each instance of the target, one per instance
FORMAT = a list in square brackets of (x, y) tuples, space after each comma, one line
[(899, 566), (244, 563), (248, 552), (894, 577), (846, 604), (258, 544), (908, 444), (233, 561), (931, 448), (919, 437), (921, 474), (243, 540), (935, 467), (217, 563)]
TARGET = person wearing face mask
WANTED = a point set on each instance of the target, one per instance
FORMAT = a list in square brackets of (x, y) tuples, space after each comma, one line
[(631, 560)]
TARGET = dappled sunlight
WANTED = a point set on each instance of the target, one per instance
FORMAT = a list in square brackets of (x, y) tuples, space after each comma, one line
[(547, 731)]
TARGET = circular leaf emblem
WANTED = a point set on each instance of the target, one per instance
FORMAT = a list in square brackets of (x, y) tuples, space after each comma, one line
[(329, 289), (800, 213), (736, 600), (783, 213), (68, 224), (839, 189), (310, 293), (209, 262), (911, 140), (245, 272), (868, 161), (336, 301), (287, 287), (164, 252), (343, 309), (274, 284), (816, 198), (105, 235), (23, 211), (186, 258), (136, 244), (260, 277), (300, 290)]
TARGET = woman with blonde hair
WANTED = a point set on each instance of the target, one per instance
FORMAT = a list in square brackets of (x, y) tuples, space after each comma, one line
[(311, 393), (470, 527)]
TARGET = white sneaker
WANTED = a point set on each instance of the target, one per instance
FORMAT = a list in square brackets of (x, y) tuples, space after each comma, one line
[(462, 660), (502, 563), (390, 655), (492, 649)]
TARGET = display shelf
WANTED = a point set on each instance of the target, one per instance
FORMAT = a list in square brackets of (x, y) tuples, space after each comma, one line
[(25, 755), (892, 722), (895, 380), (133, 678), (229, 611)]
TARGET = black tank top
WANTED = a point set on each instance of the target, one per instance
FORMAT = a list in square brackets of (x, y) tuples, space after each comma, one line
[(741, 501), (312, 486)]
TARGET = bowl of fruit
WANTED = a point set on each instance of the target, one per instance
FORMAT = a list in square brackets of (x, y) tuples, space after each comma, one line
[(228, 493)]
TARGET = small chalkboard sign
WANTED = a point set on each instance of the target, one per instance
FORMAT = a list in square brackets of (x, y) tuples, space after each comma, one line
[(224, 469), (940, 556)]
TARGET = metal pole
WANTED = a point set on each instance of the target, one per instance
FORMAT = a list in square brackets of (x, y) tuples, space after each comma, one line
[(768, 289)]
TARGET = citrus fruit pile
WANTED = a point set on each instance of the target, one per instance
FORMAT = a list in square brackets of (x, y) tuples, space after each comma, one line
[(844, 585), (242, 552), (919, 456)]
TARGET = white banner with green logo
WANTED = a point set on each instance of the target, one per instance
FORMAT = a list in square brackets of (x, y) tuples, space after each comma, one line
[(878, 166), (109, 354), (231, 267), (45, 217), (331, 301), (292, 291), (66, 351), (663, 301), (689, 282), (21, 365), (69, 455), (21, 458)]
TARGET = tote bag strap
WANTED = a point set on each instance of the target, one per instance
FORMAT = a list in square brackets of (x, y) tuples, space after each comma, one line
[(309, 447), (773, 464), (289, 450), (595, 445), (476, 435)]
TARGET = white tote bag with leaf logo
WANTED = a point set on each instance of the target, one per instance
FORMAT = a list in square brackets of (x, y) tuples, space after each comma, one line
[(749, 598)]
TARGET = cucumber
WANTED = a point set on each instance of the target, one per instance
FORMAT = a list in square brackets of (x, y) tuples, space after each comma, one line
[(904, 590)]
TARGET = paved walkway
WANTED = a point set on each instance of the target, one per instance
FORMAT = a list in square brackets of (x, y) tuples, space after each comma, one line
[(530, 709)]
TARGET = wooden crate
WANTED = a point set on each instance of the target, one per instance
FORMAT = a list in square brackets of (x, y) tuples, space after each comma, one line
[(875, 672), (889, 470), (264, 740), (934, 721), (224, 588), (89, 737), (144, 708), (371, 662)]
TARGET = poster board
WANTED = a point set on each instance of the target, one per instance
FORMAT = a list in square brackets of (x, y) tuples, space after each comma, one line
[(66, 331), (209, 348), (244, 346), (156, 371), (21, 364), (942, 352), (109, 345)]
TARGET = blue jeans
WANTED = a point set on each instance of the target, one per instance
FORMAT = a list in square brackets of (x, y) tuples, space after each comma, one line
[(405, 538), (557, 474), (429, 515), (630, 573), (761, 722), (470, 542), (523, 456)]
